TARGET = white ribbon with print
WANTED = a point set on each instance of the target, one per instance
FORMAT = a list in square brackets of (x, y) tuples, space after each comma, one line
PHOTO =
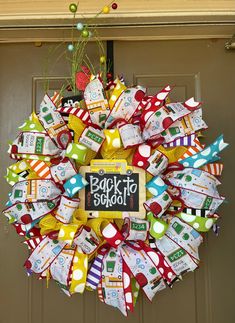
[(197, 200), (177, 258), (87, 240), (135, 229), (28, 212), (185, 236), (34, 190), (66, 209), (163, 118), (143, 269), (53, 122), (158, 204), (112, 280), (130, 135), (35, 143), (189, 124), (96, 102), (195, 180), (126, 105), (157, 163), (63, 171), (44, 254), (60, 268), (92, 138)]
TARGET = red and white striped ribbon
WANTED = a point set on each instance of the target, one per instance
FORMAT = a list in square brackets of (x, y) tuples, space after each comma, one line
[(77, 112)]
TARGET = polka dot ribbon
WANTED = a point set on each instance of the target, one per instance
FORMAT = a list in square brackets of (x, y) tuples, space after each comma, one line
[(126, 255)]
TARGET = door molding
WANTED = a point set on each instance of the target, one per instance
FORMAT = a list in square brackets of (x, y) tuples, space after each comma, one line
[(51, 21), (127, 32)]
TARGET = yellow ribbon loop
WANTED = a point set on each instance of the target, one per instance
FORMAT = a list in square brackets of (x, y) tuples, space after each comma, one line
[(119, 88), (173, 154), (49, 224), (97, 225), (67, 232), (112, 146), (76, 125), (79, 268), (79, 217)]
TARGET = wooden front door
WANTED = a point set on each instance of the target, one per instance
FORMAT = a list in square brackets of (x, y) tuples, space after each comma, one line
[(200, 68)]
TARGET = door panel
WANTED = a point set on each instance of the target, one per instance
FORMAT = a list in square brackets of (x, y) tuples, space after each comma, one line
[(204, 69), (196, 67)]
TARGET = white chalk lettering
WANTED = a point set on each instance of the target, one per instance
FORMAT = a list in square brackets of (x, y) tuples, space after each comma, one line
[(111, 191)]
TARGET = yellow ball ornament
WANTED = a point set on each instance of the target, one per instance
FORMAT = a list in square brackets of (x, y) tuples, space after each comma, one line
[(102, 59), (106, 9)]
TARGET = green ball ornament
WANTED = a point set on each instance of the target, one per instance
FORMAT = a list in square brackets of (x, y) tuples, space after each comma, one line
[(80, 26), (73, 7), (85, 33)]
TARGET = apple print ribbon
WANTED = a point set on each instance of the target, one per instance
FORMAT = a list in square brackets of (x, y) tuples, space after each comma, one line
[(63, 255), (53, 139), (179, 246), (53, 123), (153, 267), (126, 256), (148, 118), (156, 119)]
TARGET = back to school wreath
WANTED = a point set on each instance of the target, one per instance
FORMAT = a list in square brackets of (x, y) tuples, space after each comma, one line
[(112, 189)]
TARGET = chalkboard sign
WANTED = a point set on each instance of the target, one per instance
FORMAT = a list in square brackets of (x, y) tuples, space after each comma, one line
[(71, 101), (111, 194)]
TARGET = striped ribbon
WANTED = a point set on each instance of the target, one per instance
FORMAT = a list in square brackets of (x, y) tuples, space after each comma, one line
[(182, 141), (216, 229), (192, 150), (40, 168), (34, 242), (214, 169), (198, 212), (77, 112), (94, 274)]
